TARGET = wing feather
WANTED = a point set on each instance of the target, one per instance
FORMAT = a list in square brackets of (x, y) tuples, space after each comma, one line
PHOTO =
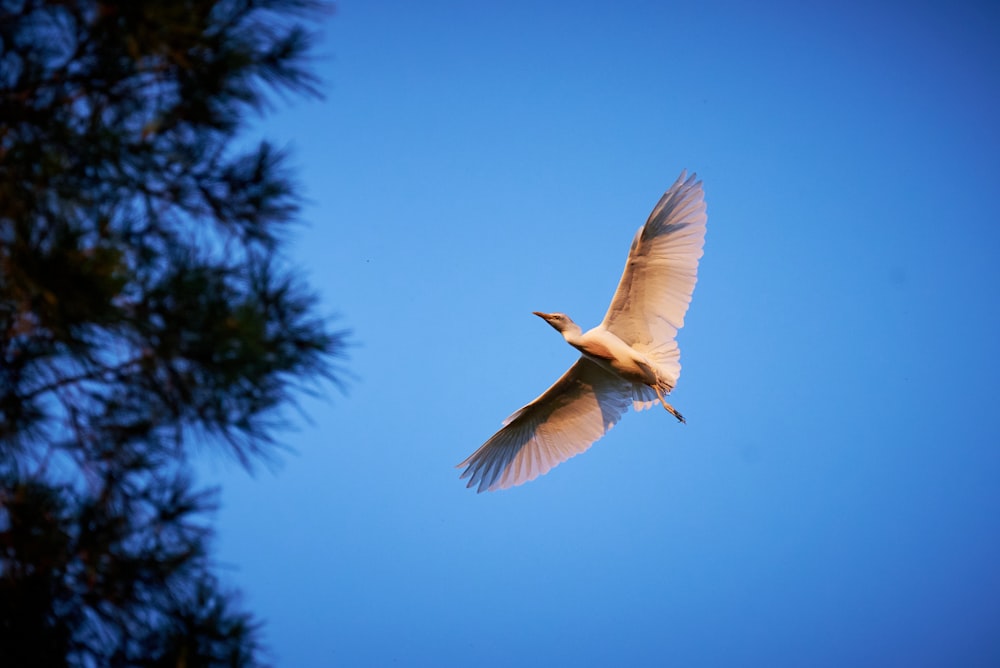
[(564, 421), (660, 274)]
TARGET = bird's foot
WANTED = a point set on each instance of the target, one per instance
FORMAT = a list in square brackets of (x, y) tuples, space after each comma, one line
[(670, 409), (673, 411)]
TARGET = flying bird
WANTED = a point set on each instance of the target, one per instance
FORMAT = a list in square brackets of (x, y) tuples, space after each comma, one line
[(630, 358)]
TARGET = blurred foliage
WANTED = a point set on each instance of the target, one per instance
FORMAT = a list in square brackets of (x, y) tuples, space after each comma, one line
[(145, 306)]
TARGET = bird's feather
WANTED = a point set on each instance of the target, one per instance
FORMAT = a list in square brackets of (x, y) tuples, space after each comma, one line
[(564, 421), (659, 277)]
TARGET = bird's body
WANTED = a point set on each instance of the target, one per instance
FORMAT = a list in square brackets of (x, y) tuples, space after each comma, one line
[(614, 355), (604, 348), (631, 357)]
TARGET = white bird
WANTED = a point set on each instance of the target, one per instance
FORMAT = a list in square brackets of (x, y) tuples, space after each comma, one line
[(631, 357)]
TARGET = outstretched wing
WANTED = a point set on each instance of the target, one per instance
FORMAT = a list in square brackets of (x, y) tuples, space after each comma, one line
[(564, 421), (655, 289)]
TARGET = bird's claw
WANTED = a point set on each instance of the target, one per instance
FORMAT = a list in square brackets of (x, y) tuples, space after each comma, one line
[(673, 411)]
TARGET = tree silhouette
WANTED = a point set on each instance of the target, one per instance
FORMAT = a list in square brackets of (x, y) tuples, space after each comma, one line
[(145, 306)]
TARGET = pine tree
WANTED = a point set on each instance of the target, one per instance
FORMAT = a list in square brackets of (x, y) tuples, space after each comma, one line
[(145, 308)]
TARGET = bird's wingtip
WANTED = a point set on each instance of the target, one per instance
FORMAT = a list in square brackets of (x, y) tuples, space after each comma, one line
[(687, 178)]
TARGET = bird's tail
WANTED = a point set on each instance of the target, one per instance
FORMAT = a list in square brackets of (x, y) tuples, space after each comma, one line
[(665, 358), (645, 396)]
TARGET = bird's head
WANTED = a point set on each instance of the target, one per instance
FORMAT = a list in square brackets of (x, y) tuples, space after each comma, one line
[(560, 321)]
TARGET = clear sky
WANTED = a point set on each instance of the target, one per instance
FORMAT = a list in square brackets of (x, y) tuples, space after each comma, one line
[(834, 497)]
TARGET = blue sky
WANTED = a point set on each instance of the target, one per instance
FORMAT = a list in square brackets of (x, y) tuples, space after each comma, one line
[(833, 499)]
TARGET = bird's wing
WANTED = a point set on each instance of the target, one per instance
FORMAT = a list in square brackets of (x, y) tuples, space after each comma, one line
[(564, 421), (655, 289)]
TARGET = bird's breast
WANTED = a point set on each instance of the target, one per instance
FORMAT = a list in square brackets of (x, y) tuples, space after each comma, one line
[(616, 356)]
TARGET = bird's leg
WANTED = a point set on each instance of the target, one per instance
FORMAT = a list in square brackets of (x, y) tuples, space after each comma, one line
[(673, 411), (670, 409)]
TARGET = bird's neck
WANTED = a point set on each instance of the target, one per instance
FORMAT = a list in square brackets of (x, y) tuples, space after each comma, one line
[(572, 334)]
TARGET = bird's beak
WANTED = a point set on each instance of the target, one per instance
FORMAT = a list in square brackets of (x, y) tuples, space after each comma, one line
[(544, 316)]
